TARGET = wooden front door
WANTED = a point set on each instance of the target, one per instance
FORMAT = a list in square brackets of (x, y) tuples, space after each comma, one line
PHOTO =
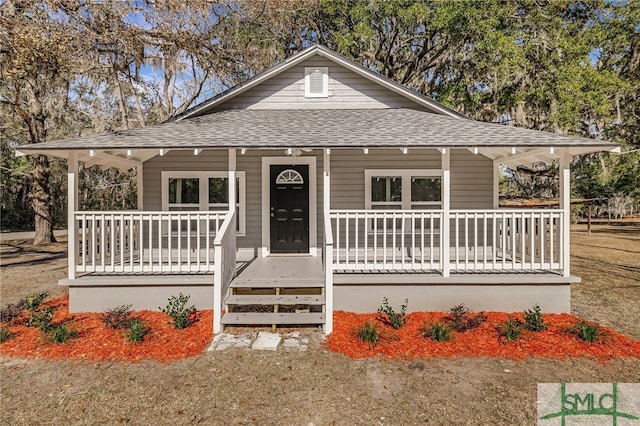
[(289, 209)]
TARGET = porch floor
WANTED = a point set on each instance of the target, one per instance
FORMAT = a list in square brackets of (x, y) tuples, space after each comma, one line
[(284, 271)]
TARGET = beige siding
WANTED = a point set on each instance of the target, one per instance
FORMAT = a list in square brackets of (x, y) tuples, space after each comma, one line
[(471, 180), (347, 90)]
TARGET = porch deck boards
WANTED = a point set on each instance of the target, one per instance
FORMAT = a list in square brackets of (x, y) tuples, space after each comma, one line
[(282, 272), (345, 277)]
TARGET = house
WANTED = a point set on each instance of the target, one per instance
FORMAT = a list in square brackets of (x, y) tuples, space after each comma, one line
[(315, 186)]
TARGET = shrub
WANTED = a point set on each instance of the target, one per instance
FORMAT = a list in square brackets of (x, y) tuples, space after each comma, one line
[(41, 318), (11, 313), (60, 333), (588, 331), (391, 317), (510, 329), (177, 309), (436, 331), (136, 330), (34, 301), (368, 333), (5, 334), (461, 319), (533, 319), (117, 318)]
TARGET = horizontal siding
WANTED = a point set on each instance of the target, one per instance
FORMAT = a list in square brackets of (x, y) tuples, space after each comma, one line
[(348, 166), (471, 180), (250, 163), (347, 90)]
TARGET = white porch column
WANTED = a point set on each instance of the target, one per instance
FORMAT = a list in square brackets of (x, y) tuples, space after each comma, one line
[(496, 185), (328, 246), (140, 186), (232, 180), (446, 207), (72, 207), (565, 205)]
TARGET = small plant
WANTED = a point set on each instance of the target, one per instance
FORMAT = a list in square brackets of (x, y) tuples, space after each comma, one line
[(136, 330), (117, 318), (588, 331), (177, 309), (41, 318), (533, 319), (436, 331), (5, 334), (34, 301), (368, 333), (11, 313), (60, 333), (391, 317), (461, 319), (510, 329)]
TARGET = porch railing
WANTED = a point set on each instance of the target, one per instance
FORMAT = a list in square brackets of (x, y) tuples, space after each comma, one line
[(225, 265), (388, 240), (143, 241)]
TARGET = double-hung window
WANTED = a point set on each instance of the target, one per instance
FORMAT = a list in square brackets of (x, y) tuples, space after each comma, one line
[(403, 189), (203, 191)]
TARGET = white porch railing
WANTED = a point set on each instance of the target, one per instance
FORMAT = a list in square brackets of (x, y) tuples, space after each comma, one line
[(388, 240), (142, 241), (225, 266)]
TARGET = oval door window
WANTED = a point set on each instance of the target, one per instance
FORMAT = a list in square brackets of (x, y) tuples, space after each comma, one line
[(289, 176)]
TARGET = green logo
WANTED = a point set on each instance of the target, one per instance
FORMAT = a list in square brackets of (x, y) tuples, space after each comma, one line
[(588, 403)]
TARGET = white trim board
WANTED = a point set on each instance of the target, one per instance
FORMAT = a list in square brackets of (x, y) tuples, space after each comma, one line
[(204, 191), (266, 200)]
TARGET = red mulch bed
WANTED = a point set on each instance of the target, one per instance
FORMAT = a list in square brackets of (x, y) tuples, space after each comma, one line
[(96, 342), (483, 341)]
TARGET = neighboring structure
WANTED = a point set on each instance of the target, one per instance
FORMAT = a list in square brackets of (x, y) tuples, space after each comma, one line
[(319, 185)]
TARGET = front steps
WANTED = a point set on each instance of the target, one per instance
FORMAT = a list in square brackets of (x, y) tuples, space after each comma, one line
[(277, 291)]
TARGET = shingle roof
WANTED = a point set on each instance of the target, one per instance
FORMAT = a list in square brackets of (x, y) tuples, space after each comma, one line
[(321, 129)]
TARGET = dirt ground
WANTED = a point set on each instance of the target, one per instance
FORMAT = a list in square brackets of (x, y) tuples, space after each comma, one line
[(315, 386)]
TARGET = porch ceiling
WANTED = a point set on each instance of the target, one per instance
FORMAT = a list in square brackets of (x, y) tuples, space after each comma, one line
[(335, 129)]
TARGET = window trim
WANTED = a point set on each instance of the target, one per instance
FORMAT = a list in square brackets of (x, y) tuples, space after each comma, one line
[(406, 175), (203, 194), (307, 82)]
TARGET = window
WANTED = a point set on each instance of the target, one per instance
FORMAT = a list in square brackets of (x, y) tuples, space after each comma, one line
[(316, 82), (403, 189), (183, 191)]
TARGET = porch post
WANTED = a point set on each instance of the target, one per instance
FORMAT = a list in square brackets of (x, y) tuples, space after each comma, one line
[(446, 207), (496, 185), (328, 246), (140, 186), (72, 207), (232, 180), (565, 205)]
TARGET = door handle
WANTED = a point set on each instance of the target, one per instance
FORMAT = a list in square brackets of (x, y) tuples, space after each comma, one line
[(272, 215), (272, 208)]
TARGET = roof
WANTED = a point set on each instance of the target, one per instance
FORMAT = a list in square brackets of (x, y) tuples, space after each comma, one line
[(420, 100), (320, 129)]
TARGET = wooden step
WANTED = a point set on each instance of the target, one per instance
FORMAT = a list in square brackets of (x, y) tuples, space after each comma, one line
[(277, 282), (270, 318), (272, 299)]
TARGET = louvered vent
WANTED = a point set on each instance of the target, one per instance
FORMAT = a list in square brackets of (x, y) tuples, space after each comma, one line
[(316, 82)]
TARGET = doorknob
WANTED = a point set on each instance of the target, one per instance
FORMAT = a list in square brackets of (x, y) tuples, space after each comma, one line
[(272, 215), (272, 208)]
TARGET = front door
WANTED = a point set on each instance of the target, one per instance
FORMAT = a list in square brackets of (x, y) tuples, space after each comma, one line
[(289, 209)]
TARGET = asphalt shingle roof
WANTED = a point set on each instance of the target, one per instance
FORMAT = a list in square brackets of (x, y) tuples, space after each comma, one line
[(253, 128)]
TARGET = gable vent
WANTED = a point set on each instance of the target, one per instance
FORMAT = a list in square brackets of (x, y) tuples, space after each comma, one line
[(316, 82)]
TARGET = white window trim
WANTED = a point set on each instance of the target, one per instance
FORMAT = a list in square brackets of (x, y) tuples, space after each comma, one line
[(325, 82), (266, 200), (204, 192), (406, 175)]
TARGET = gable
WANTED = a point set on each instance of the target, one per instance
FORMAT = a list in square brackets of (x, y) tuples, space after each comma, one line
[(346, 90)]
